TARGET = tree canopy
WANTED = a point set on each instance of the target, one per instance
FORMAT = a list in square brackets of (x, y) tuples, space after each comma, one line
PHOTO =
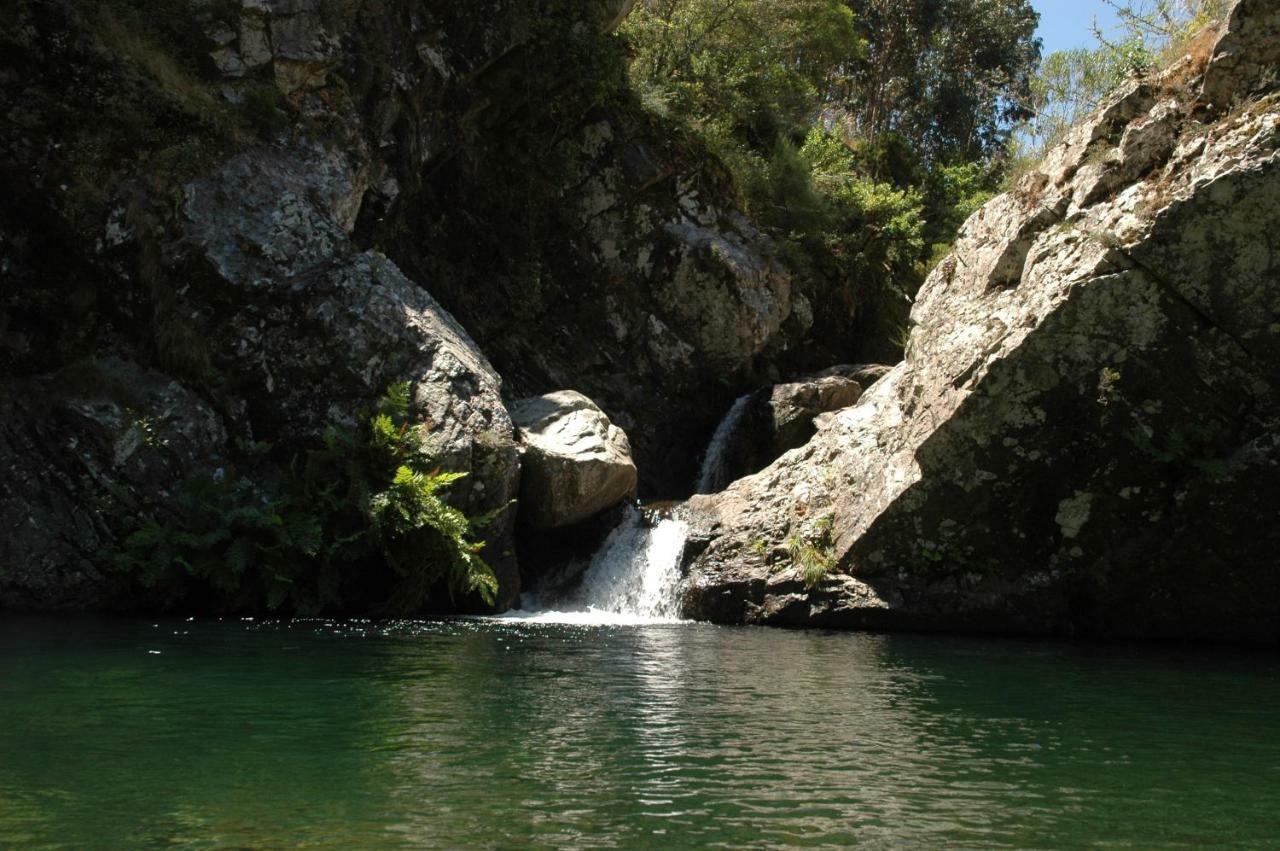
[(860, 132)]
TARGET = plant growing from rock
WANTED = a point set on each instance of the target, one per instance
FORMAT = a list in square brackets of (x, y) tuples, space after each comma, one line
[(360, 518), (813, 554)]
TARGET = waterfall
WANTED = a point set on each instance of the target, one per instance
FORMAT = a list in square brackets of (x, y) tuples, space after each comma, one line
[(715, 473), (634, 578)]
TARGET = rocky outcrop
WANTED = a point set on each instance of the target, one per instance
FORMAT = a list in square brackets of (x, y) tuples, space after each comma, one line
[(506, 163), (576, 464), (298, 330), (795, 406), (1247, 56), (612, 243), (1082, 439)]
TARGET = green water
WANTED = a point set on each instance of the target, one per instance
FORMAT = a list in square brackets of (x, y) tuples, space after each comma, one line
[(312, 735)]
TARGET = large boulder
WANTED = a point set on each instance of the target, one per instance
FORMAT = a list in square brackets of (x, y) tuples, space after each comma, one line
[(1247, 56), (299, 330), (576, 463), (1082, 439)]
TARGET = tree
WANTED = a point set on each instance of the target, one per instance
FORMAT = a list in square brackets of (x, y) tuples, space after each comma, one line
[(951, 76), (860, 133), (749, 68)]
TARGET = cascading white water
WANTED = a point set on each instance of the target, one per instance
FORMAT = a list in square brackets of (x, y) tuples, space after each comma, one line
[(634, 578), (714, 474)]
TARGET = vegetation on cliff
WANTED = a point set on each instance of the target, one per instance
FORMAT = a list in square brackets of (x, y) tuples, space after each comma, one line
[(358, 522), (860, 133), (1071, 83)]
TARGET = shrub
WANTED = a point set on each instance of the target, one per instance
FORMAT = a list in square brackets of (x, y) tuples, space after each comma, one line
[(264, 110), (363, 513)]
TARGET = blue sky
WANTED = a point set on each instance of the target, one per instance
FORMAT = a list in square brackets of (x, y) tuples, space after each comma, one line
[(1069, 23)]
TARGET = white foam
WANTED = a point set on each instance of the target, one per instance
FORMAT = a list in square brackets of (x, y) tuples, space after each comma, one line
[(634, 579)]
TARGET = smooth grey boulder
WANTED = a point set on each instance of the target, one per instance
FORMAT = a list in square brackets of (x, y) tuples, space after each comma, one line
[(576, 463), (1083, 437)]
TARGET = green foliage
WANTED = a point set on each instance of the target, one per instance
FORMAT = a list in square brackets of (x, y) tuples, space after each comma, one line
[(950, 76), (860, 133), (813, 554), (265, 109), (953, 193), (875, 228), (1072, 83), (365, 508), (745, 69)]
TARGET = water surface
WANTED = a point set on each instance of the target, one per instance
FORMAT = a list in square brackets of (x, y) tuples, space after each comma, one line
[(207, 734)]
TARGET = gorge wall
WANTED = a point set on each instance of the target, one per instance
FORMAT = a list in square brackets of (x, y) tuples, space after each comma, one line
[(1083, 437), (230, 226)]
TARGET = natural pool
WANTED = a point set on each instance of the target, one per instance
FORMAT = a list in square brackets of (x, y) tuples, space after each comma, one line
[(208, 734)]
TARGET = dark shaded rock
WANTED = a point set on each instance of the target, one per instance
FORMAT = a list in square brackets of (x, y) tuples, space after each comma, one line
[(552, 561), (299, 330), (81, 451)]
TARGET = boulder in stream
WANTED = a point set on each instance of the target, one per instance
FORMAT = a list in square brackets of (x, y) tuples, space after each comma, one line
[(763, 425), (576, 463)]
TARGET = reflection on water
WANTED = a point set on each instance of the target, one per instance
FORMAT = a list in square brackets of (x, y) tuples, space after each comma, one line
[(463, 733)]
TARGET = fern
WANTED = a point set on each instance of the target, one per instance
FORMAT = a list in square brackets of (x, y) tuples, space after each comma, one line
[(362, 499)]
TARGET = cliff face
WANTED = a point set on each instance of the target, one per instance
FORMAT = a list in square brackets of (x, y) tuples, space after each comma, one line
[(1082, 439), (230, 224)]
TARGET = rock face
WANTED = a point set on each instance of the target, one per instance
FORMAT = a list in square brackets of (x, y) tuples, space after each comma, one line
[(300, 330), (796, 406), (499, 169), (619, 259), (104, 437), (1082, 439), (276, 208), (576, 464), (1246, 57)]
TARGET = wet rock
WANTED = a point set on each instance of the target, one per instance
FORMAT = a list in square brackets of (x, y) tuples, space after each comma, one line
[(576, 463), (764, 425), (1082, 438)]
